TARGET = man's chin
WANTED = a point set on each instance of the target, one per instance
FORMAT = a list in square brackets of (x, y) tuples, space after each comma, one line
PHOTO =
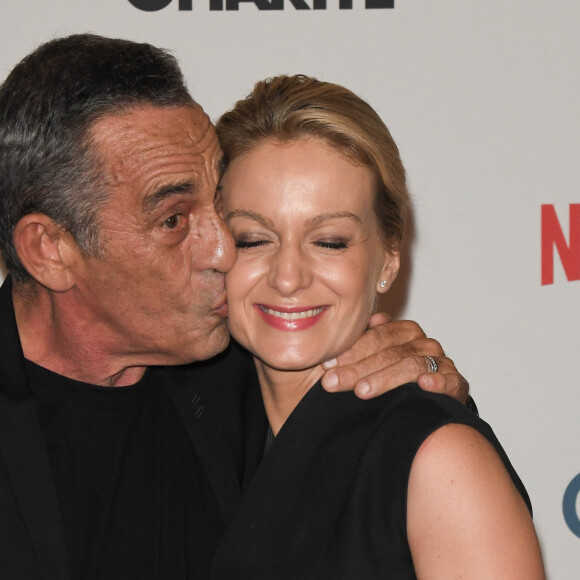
[(208, 347), (197, 348)]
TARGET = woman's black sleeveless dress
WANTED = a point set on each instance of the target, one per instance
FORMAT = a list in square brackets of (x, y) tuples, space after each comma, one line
[(329, 499)]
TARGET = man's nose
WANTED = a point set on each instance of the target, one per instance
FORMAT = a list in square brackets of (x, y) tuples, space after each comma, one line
[(225, 251)]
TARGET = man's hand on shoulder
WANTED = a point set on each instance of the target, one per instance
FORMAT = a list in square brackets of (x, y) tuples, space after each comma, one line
[(392, 353)]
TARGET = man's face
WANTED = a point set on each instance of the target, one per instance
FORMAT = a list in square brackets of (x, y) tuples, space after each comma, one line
[(158, 291)]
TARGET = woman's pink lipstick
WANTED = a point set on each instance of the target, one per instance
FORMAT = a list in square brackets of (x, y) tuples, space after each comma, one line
[(297, 318)]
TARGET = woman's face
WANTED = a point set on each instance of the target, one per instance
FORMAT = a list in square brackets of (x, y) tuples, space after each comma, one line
[(309, 252)]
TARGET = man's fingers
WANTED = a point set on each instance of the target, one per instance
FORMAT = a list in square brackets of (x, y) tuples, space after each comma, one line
[(342, 376), (435, 382), (378, 339), (447, 381), (396, 371), (346, 377), (390, 354), (378, 318), (375, 384), (395, 367), (452, 384)]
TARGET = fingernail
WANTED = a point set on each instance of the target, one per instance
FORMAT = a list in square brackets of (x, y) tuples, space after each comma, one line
[(363, 388), (331, 381), (329, 364)]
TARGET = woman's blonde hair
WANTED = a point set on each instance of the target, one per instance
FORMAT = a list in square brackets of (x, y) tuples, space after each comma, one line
[(287, 108)]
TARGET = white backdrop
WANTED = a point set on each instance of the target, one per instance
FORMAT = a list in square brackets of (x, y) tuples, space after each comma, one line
[(483, 100)]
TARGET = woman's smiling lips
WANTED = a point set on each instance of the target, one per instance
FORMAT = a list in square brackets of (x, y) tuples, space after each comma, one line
[(296, 318)]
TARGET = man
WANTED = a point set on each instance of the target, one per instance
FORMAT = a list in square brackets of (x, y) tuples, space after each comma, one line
[(116, 256)]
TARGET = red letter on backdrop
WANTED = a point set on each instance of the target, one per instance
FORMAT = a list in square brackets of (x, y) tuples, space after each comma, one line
[(552, 236)]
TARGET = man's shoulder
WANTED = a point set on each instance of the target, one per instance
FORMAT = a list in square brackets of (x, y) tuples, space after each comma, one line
[(13, 380)]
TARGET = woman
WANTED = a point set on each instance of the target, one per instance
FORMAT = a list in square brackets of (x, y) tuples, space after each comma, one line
[(408, 485)]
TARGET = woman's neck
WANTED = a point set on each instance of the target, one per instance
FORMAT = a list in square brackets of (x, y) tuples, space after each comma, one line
[(283, 390)]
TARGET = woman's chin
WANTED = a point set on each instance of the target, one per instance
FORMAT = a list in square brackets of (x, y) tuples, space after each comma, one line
[(291, 363)]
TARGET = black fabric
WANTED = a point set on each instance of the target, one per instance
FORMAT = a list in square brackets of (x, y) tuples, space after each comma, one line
[(329, 499), (134, 498), (217, 403), (32, 544), (221, 406)]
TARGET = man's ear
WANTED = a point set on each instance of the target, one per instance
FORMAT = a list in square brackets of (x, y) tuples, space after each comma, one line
[(390, 270), (46, 251)]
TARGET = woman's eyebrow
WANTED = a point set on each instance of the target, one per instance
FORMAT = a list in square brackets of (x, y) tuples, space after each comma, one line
[(318, 219), (253, 215)]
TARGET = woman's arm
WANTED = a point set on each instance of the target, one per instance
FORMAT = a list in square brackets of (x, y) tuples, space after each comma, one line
[(465, 517)]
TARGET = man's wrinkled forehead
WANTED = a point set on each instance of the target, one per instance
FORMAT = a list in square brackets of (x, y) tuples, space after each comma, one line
[(151, 138)]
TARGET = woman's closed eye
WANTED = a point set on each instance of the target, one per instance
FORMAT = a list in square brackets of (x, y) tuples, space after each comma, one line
[(244, 244), (334, 244)]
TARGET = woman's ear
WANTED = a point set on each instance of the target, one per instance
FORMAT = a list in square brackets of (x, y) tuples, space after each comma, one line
[(46, 251), (389, 271)]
